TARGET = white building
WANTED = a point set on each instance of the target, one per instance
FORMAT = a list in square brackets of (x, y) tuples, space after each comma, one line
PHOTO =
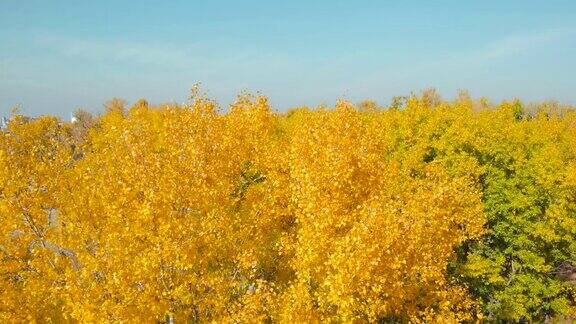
[(3, 123)]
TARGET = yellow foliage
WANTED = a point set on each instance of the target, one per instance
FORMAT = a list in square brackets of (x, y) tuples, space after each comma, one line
[(341, 215)]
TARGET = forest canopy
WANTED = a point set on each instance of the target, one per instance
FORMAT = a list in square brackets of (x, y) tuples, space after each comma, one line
[(426, 210)]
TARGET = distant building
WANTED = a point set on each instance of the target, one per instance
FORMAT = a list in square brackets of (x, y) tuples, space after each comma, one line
[(3, 123)]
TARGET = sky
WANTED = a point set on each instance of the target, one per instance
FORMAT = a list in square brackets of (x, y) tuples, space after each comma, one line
[(57, 56)]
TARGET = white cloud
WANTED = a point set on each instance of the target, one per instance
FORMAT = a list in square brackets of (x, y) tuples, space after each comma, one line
[(507, 47), (403, 76), (122, 52), (518, 44)]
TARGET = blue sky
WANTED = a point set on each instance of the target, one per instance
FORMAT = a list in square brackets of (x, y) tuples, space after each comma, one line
[(56, 56)]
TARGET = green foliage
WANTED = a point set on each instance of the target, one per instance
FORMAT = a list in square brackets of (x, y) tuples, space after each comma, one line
[(528, 195)]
